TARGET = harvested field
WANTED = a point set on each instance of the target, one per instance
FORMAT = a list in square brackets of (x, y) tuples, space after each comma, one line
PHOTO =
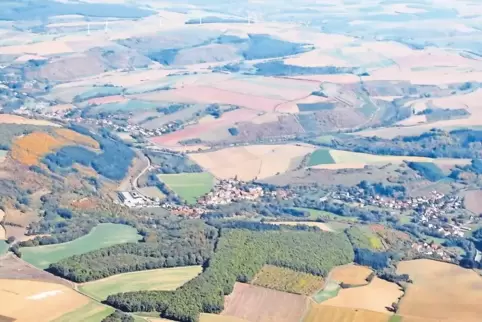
[(320, 225), (37, 301), (91, 312), (16, 119), (441, 291), (287, 280), (376, 296), (205, 317), (258, 304), (351, 274), (189, 186), (107, 100), (472, 201), (103, 235), (164, 279), (326, 313), (152, 192), (249, 162)]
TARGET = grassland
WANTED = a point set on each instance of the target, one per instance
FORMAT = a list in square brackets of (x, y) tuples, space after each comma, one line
[(320, 225), (441, 291), (364, 237), (327, 313), (91, 312), (320, 214), (330, 290), (3, 246), (287, 280), (103, 235), (164, 279), (189, 186), (320, 156)]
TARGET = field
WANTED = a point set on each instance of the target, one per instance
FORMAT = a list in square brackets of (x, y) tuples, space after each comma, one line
[(91, 312), (329, 291), (189, 186), (250, 162), (376, 296), (321, 156), (317, 214), (287, 280), (3, 245), (206, 317), (16, 119), (103, 235), (326, 313), (320, 225), (351, 274), (164, 279), (472, 201), (258, 304), (441, 291), (152, 192), (25, 300)]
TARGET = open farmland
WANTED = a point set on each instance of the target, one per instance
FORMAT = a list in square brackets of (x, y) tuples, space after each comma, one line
[(206, 317), (101, 236), (249, 162), (376, 296), (16, 119), (330, 290), (320, 225), (287, 280), (351, 274), (472, 201), (91, 312), (164, 279), (321, 156), (25, 300), (3, 244), (258, 304), (441, 291), (327, 313), (189, 186)]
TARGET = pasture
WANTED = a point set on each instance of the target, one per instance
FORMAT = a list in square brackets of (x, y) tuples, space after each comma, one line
[(351, 274), (250, 162), (327, 313), (321, 156), (441, 291), (287, 280), (320, 225), (258, 304), (164, 279), (26, 300), (3, 244), (329, 291), (101, 236), (376, 296), (189, 186)]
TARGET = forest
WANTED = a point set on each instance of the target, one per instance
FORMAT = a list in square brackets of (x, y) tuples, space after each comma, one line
[(239, 256), (171, 163)]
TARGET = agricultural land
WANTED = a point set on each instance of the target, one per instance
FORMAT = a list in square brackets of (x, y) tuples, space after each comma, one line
[(189, 186)]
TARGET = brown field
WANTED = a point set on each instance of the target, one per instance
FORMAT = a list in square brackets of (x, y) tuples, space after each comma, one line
[(249, 162), (351, 274), (472, 201), (107, 99), (320, 225), (40, 48), (205, 317), (326, 313), (257, 304), (16, 119), (441, 291), (376, 296), (37, 301), (77, 138)]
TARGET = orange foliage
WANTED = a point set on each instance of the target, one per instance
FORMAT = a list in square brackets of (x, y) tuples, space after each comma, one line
[(77, 138)]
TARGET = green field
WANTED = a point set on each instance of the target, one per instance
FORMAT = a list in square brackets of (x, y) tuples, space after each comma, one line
[(320, 214), (321, 156), (98, 92), (92, 312), (164, 279), (395, 318), (128, 106), (330, 290), (3, 247), (103, 235), (189, 186)]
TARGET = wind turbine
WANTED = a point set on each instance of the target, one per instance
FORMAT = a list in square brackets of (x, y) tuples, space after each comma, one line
[(106, 28), (88, 28)]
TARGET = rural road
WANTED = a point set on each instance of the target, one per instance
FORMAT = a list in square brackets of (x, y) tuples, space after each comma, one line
[(135, 181)]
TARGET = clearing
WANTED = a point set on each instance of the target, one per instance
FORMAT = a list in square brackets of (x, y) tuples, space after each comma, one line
[(326, 313), (26, 300), (164, 279), (101, 236), (376, 296), (320, 225), (351, 274), (189, 186), (254, 161), (441, 291), (258, 304)]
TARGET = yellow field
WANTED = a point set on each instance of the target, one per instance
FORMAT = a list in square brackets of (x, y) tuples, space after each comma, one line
[(320, 225), (351, 274), (326, 313), (77, 138), (375, 296), (164, 279), (250, 162), (27, 301), (441, 291), (16, 119)]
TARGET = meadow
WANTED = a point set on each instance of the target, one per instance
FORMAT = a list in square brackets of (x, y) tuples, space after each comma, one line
[(101, 236), (321, 156), (189, 186), (320, 214), (320, 225), (91, 312), (164, 279), (3, 245), (329, 291)]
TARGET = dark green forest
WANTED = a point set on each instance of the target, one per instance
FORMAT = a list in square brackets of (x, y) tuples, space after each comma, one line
[(239, 256)]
